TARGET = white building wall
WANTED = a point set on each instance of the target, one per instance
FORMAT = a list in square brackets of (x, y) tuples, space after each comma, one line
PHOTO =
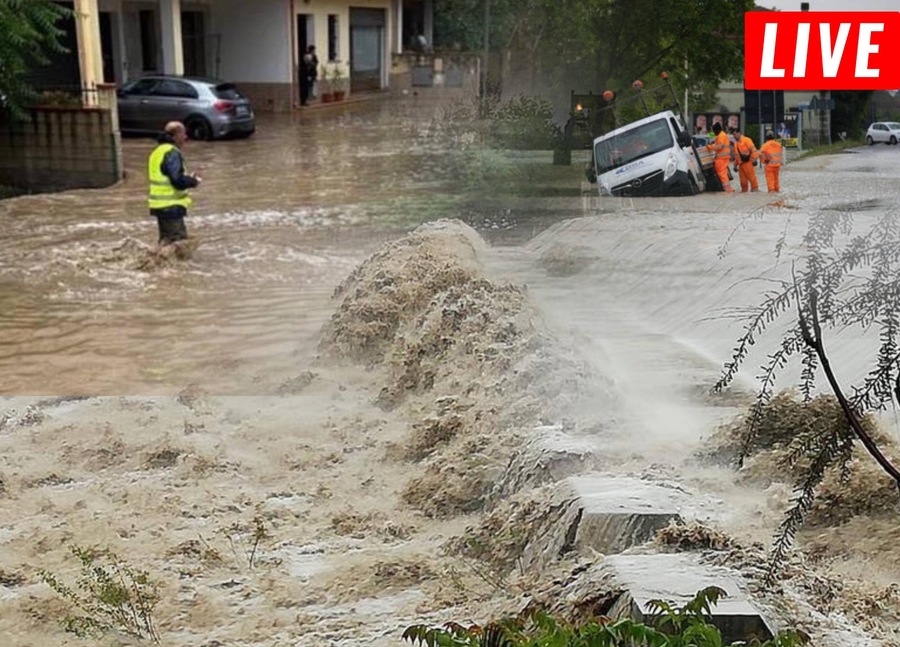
[(321, 9), (255, 40)]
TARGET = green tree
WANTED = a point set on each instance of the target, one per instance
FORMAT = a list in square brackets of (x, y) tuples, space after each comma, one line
[(851, 112), (599, 44), (459, 24), (28, 30)]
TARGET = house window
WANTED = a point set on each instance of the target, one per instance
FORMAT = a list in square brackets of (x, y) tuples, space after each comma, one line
[(333, 30), (148, 40)]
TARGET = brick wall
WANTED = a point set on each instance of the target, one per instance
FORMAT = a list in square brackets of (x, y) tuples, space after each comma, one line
[(61, 148)]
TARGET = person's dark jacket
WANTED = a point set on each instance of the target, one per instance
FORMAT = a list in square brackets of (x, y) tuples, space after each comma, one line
[(310, 67), (173, 168)]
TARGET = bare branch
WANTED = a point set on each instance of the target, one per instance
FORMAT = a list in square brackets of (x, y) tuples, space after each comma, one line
[(849, 413)]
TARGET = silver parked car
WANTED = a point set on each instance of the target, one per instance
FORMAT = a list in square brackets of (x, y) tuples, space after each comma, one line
[(887, 132), (208, 108)]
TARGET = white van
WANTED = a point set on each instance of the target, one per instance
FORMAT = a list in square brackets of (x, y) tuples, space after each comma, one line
[(653, 156)]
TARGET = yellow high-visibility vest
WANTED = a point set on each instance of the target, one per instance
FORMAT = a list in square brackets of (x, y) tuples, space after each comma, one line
[(162, 193)]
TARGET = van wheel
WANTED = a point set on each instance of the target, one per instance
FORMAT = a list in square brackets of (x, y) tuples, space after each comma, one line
[(694, 188), (869, 140), (893, 141), (198, 129)]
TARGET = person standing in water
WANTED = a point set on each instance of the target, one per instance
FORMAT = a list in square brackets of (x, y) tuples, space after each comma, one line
[(169, 183)]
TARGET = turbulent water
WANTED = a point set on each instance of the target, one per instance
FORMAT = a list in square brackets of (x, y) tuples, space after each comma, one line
[(280, 219), (645, 290)]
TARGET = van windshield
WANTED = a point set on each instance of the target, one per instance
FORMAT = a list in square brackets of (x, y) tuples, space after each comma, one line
[(632, 145)]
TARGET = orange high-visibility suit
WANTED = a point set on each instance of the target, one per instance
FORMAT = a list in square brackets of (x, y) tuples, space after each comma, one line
[(745, 156), (770, 154), (721, 146)]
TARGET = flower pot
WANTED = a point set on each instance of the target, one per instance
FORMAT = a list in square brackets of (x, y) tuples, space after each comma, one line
[(327, 97), (339, 95)]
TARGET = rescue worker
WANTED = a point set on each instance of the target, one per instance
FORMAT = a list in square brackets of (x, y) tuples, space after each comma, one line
[(745, 159), (169, 182), (770, 153), (722, 149)]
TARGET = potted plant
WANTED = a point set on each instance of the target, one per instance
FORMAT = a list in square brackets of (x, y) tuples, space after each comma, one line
[(339, 81), (325, 78)]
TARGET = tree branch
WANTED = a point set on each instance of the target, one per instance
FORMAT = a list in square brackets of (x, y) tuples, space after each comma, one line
[(814, 340)]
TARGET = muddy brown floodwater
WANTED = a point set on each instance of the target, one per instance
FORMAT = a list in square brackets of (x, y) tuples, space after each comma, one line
[(373, 399), (281, 218)]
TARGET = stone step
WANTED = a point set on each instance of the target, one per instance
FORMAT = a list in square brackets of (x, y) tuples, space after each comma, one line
[(551, 455), (607, 514), (620, 512), (677, 578)]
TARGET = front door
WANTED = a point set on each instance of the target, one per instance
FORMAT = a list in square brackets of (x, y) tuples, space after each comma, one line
[(367, 28)]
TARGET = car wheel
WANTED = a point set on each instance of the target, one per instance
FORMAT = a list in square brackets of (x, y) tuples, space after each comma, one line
[(869, 140), (893, 140), (199, 129)]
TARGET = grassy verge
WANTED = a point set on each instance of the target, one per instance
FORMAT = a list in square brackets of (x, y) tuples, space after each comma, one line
[(830, 149)]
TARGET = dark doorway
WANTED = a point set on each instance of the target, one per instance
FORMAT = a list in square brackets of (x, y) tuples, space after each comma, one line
[(304, 40), (106, 47), (193, 43), (149, 49), (62, 71), (413, 22), (367, 27)]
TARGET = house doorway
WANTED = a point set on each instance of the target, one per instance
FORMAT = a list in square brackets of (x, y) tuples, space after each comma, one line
[(63, 71), (193, 43), (305, 38), (367, 28), (106, 47), (413, 22)]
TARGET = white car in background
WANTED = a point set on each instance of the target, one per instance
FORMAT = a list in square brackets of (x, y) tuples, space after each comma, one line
[(886, 132)]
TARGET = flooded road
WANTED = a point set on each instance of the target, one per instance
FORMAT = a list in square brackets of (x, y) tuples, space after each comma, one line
[(281, 218), (637, 287)]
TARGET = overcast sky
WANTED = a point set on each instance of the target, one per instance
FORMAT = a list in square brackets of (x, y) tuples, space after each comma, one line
[(833, 5)]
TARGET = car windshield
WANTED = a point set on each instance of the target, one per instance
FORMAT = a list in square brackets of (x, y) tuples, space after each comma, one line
[(632, 145), (227, 91), (893, 125)]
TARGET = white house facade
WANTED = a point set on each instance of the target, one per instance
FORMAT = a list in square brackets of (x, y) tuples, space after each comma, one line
[(257, 44)]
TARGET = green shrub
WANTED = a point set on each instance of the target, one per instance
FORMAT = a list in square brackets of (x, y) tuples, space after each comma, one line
[(108, 595), (524, 123), (686, 626)]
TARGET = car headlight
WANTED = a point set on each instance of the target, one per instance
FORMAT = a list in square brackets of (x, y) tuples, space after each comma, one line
[(671, 166)]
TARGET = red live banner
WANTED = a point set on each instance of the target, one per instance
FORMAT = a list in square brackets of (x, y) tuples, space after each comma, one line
[(822, 50)]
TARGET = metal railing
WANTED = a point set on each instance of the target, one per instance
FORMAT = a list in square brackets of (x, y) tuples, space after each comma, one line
[(66, 96)]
